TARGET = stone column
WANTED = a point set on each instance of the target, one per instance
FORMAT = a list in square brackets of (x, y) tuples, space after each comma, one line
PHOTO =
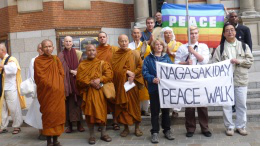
[(141, 10), (213, 1), (257, 6), (154, 7), (178, 1), (247, 8)]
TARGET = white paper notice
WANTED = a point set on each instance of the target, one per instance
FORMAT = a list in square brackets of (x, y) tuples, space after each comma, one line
[(128, 86)]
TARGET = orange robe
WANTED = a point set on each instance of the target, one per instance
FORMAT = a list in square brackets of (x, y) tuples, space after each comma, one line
[(105, 53), (143, 93), (127, 103), (49, 78), (94, 103)]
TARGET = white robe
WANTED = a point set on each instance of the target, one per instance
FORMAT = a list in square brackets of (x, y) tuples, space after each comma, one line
[(33, 116)]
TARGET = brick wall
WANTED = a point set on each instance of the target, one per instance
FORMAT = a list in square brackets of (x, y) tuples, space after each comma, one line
[(102, 14)]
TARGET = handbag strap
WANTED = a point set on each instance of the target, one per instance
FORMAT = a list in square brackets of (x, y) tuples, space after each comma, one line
[(6, 60)]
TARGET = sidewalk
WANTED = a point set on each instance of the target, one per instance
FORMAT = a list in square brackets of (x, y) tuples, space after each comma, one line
[(28, 137)]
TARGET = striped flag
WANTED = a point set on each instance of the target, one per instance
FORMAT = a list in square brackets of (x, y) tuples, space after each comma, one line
[(208, 18)]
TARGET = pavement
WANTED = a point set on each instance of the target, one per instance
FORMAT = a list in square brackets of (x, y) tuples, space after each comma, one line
[(28, 137)]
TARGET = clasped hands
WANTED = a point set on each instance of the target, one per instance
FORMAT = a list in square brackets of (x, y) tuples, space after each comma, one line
[(95, 83)]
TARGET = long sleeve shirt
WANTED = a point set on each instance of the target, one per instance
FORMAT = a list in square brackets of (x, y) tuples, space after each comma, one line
[(10, 71), (183, 53)]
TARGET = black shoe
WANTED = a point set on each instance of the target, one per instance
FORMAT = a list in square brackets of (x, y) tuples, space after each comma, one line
[(233, 109), (207, 134), (189, 134)]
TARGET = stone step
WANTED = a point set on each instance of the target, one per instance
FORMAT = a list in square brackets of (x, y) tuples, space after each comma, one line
[(254, 84), (253, 93)]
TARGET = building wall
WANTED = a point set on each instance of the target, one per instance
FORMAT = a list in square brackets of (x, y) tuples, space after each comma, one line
[(54, 16)]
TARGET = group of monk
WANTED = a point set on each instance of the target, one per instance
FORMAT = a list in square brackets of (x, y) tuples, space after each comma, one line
[(68, 85)]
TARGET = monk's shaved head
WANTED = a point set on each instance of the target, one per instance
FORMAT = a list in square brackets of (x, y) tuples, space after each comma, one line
[(47, 47), (122, 36), (123, 41), (45, 41), (136, 34), (39, 49), (90, 46), (68, 42), (68, 38), (91, 51), (3, 51)]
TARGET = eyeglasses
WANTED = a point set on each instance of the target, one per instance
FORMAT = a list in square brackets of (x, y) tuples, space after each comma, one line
[(230, 30)]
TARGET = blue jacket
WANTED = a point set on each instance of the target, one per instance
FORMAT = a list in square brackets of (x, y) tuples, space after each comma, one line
[(149, 70)]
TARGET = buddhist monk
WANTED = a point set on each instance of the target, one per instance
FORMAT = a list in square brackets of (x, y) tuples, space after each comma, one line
[(49, 78), (144, 50), (92, 74), (127, 66), (105, 52)]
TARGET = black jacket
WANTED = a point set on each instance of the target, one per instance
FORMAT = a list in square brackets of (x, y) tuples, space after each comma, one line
[(243, 35)]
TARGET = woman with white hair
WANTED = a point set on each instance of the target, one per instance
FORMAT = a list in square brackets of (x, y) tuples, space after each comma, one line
[(168, 37)]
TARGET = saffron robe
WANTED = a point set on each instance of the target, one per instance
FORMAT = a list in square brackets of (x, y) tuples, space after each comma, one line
[(49, 78), (94, 103), (143, 93), (127, 103), (105, 53)]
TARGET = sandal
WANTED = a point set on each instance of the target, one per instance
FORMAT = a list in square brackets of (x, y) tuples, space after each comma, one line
[(57, 144), (80, 129), (92, 140), (3, 131), (16, 131), (138, 132), (51, 144), (69, 129), (106, 138), (116, 126), (124, 133), (99, 129)]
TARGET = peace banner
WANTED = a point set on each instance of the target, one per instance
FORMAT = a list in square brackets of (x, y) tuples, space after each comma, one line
[(208, 18), (195, 85)]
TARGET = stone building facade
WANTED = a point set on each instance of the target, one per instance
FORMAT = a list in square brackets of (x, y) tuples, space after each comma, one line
[(25, 23)]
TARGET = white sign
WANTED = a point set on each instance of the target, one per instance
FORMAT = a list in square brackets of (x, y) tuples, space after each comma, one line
[(195, 85)]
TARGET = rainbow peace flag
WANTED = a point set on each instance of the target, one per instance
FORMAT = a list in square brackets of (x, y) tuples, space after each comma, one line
[(208, 18)]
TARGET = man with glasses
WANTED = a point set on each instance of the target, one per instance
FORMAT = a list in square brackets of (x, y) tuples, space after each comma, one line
[(242, 59)]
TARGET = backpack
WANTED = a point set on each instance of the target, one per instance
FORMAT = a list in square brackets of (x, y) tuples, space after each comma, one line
[(222, 47)]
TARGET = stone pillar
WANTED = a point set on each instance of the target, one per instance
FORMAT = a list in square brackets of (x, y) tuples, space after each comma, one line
[(154, 7), (169, 1), (141, 9), (178, 1), (257, 6), (213, 1), (247, 8)]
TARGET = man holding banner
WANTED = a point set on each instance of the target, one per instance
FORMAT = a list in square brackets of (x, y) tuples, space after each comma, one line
[(242, 59), (199, 55)]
